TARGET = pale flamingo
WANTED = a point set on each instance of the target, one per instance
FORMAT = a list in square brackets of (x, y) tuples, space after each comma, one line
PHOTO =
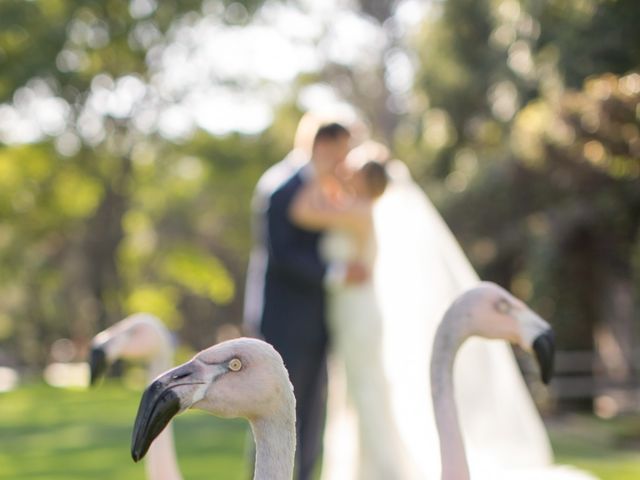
[(238, 378), (491, 312), (141, 337)]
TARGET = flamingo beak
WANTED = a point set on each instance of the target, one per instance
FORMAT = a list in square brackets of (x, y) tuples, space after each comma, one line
[(171, 393), (544, 349), (97, 364), (159, 404), (537, 335)]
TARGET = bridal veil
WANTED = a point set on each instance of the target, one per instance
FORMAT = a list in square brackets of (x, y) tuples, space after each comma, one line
[(420, 269)]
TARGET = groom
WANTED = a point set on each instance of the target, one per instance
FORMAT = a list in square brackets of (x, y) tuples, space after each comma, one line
[(292, 315)]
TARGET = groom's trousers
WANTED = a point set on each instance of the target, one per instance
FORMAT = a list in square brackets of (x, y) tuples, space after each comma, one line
[(308, 374)]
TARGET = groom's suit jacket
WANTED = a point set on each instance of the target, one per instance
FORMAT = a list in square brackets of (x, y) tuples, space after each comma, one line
[(285, 281), (269, 182), (293, 307)]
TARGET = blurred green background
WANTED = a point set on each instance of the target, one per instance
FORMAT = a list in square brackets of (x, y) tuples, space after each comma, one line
[(132, 134)]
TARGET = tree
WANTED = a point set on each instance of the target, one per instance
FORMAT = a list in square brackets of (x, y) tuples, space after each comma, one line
[(530, 148), (88, 199)]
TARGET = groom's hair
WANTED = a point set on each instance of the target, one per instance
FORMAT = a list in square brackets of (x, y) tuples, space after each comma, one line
[(330, 131)]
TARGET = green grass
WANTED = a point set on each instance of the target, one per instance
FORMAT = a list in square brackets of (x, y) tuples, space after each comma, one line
[(54, 434), (607, 448)]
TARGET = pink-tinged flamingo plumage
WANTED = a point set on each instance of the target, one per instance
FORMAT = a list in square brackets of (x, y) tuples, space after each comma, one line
[(141, 337), (238, 378), (491, 312)]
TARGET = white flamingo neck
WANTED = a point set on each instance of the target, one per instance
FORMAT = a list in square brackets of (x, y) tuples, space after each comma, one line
[(275, 438), (449, 337), (160, 363), (162, 463)]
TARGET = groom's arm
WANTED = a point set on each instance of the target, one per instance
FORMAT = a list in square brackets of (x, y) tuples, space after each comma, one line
[(286, 254)]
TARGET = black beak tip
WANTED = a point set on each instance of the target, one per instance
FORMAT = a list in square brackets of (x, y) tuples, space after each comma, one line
[(97, 364), (157, 407), (137, 454), (544, 348), (139, 447)]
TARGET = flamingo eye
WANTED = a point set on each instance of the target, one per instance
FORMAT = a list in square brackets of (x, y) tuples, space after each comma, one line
[(503, 306), (235, 364)]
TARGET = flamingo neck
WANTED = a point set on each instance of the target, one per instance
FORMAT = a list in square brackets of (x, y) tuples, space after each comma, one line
[(275, 438), (160, 363), (162, 463), (449, 337)]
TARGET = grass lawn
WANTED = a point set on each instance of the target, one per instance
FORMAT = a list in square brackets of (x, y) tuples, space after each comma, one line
[(53, 434), (608, 448)]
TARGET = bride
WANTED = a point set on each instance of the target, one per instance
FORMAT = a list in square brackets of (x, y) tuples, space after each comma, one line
[(345, 210), (382, 333)]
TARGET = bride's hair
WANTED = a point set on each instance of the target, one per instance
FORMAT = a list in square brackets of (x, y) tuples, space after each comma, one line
[(375, 178)]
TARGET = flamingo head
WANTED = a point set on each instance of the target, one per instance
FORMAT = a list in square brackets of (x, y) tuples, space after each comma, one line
[(239, 378), (138, 337), (489, 311)]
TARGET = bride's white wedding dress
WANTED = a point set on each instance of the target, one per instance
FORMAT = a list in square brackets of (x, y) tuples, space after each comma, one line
[(355, 324), (383, 333)]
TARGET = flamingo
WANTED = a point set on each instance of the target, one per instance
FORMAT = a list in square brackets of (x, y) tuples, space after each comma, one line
[(487, 311), (141, 337), (243, 377)]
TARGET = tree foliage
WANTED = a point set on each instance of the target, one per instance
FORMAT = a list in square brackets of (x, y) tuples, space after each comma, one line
[(122, 221), (529, 143), (522, 125)]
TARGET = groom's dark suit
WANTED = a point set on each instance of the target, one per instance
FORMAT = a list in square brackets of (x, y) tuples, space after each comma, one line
[(293, 315)]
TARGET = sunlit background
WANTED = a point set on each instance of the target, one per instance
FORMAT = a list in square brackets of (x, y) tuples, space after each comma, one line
[(132, 134)]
